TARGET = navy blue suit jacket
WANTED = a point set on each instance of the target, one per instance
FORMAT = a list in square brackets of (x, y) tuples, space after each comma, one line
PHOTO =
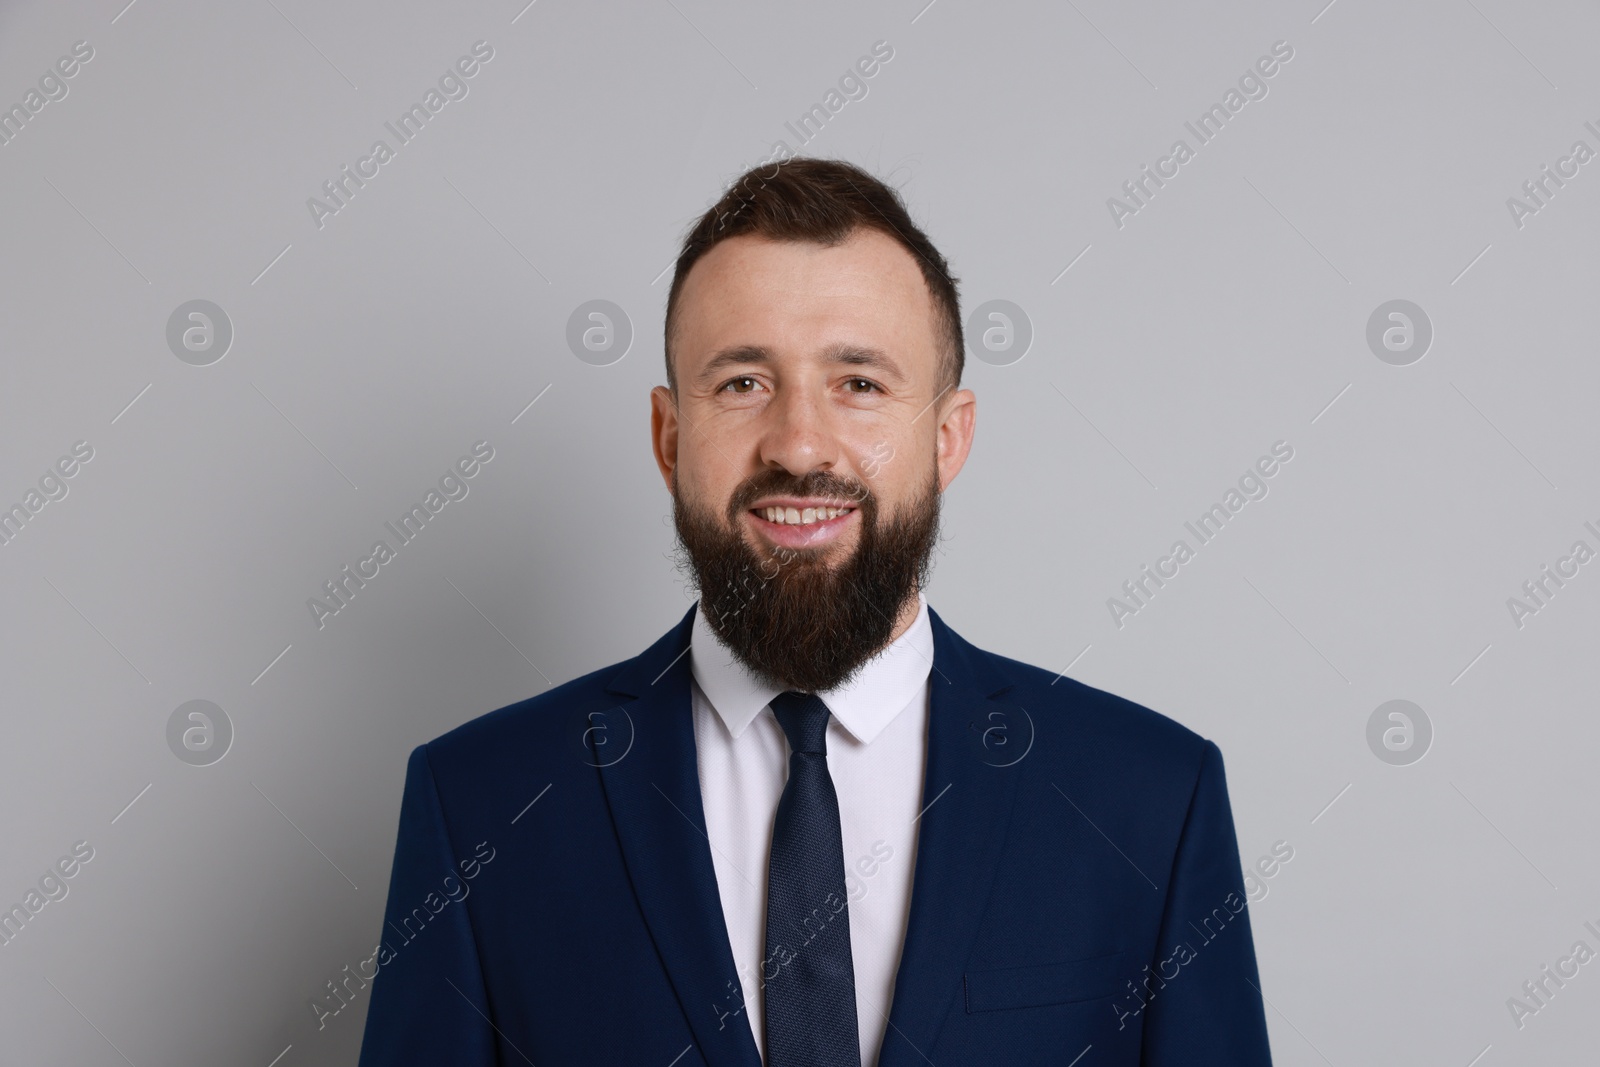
[(1076, 885)]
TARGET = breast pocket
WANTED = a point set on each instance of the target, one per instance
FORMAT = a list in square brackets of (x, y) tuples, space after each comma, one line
[(1045, 983)]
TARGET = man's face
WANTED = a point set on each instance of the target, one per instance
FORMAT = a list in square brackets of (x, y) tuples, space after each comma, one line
[(808, 444)]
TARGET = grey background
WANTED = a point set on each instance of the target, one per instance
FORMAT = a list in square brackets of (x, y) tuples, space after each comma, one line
[(370, 354)]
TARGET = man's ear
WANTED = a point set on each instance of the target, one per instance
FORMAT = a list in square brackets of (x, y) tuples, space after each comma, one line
[(957, 424), (664, 431)]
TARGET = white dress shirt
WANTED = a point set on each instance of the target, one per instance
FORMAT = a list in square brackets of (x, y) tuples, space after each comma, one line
[(877, 751)]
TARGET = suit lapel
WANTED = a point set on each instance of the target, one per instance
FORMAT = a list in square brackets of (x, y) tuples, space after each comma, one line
[(974, 761), (654, 796)]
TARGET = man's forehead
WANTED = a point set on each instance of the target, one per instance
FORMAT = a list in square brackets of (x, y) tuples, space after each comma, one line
[(869, 280)]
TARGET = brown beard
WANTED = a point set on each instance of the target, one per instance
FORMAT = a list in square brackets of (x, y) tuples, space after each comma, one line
[(789, 616)]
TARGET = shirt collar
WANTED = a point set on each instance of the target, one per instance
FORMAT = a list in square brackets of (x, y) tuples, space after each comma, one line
[(864, 705)]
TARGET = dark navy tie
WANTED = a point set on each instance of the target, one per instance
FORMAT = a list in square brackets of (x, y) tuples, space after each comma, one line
[(810, 980)]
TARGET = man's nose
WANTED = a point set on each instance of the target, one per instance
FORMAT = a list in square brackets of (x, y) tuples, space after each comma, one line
[(799, 435)]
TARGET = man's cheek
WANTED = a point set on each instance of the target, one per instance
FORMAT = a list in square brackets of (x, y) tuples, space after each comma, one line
[(872, 465)]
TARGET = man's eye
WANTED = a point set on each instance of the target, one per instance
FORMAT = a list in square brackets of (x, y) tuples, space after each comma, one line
[(868, 386), (740, 385)]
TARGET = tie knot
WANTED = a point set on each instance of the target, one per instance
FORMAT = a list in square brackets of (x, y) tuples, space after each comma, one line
[(804, 718)]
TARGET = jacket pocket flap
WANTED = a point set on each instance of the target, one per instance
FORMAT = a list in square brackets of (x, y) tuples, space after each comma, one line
[(1045, 983)]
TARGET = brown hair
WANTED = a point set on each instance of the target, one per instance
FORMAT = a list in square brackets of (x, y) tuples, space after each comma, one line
[(823, 201)]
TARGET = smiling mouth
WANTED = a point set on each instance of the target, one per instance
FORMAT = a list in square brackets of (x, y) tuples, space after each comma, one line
[(800, 516)]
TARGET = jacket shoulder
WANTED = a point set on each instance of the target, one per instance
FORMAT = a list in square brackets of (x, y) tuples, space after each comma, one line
[(543, 720), (536, 721), (1121, 730)]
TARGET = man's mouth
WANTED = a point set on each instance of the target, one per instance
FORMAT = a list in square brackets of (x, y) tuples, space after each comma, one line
[(792, 516), (802, 523)]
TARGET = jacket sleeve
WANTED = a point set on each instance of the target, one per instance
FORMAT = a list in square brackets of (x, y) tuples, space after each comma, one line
[(1206, 1010), (428, 1001)]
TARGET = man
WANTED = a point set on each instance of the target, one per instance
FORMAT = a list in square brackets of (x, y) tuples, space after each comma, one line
[(811, 825)]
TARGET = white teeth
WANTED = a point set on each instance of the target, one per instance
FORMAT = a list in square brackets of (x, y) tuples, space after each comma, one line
[(798, 517)]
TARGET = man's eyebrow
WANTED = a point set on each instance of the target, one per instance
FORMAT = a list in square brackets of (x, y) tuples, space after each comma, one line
[(738, 356), (851, 355), (872, 358)]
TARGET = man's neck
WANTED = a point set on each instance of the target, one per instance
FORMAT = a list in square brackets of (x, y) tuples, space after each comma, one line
[(907, 616)]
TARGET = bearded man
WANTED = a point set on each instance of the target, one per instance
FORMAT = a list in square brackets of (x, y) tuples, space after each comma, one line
[(812, 825)]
